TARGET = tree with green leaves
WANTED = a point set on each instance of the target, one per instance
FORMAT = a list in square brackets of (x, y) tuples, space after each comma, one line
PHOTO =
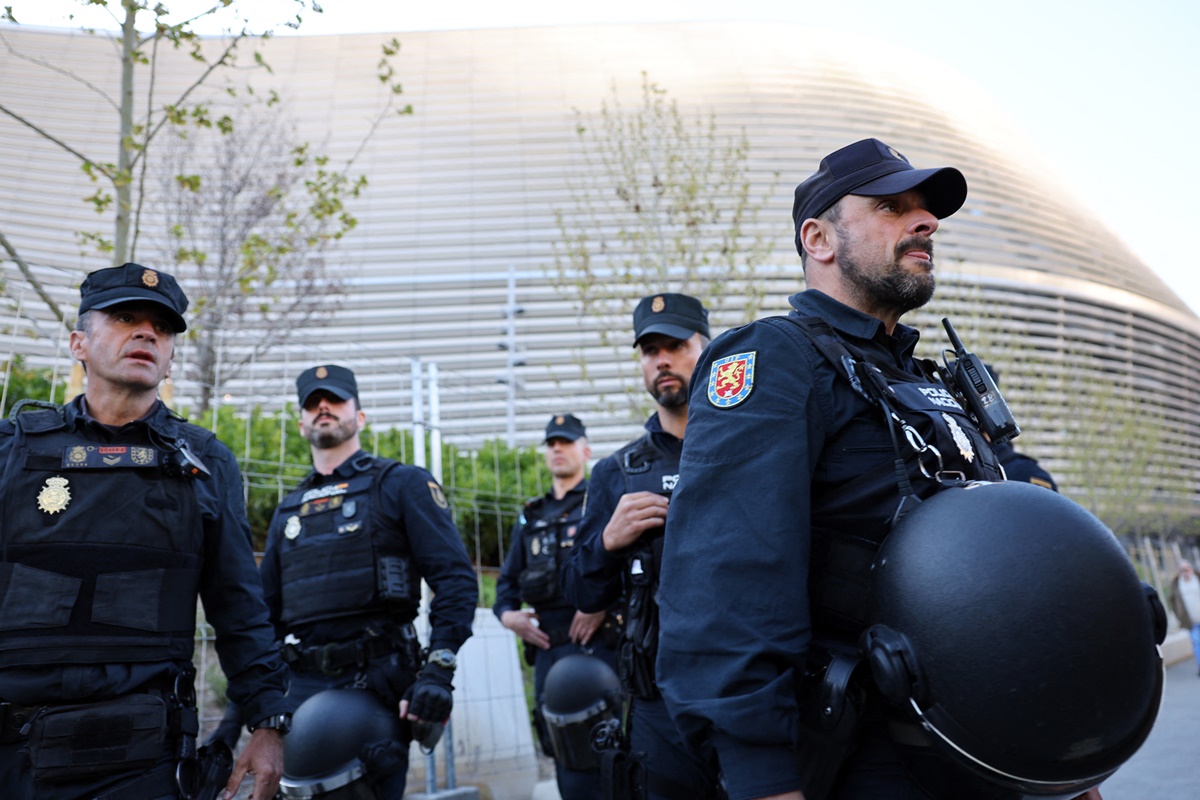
[(662, 201), (249, 221), (241, 253)]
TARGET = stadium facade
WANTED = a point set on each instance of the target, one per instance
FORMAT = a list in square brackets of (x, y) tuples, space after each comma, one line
[(458, 223)]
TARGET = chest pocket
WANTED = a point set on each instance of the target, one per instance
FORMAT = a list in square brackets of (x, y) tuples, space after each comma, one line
[(327, 557), (538, 582), (943, 423)]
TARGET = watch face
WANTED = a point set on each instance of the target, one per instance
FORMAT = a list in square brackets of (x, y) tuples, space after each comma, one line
[(443, 658)]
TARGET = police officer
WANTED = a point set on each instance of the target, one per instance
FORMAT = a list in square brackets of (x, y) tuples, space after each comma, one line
[(621, 535), (346, 552), (788, 485), (117, 514), (541, 538), (1017, 465)]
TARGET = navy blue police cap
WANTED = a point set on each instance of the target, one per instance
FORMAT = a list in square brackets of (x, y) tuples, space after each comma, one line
[(133, 283), (872, 168), (338, 381), (674, 315), (564, 426)]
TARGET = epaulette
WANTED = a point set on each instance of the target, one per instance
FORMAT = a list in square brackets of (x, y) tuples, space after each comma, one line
[(45, 417)]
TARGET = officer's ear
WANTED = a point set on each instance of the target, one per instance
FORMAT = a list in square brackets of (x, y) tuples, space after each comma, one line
[(817, 238), (78, 346)]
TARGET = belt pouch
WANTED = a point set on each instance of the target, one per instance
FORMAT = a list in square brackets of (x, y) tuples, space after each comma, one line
[(96, 739), (538, 585)]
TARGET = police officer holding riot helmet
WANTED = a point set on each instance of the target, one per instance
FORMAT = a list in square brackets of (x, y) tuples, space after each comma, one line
[(789, 484), (116, 514), (621, 534), (553, 629), (346, 552)]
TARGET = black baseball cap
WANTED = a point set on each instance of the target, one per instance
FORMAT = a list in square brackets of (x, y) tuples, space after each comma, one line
[(131, 283), (874, 169), (338, 381), (564, 426), (675, 315)]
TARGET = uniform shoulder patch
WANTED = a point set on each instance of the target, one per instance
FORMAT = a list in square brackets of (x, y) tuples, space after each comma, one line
[(731, 379), (439, 497)]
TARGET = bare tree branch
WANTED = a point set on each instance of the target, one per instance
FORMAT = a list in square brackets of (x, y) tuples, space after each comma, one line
[(33, 281), (51, 138), (64, 72)]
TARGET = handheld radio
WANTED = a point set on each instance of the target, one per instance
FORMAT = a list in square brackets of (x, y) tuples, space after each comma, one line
[(978, 390)]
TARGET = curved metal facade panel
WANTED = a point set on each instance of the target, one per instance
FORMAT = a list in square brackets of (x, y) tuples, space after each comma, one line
[(465, 191)]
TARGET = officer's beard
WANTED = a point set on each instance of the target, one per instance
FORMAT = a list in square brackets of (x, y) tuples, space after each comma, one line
[(891, 287), (329, 438), (670, 398)]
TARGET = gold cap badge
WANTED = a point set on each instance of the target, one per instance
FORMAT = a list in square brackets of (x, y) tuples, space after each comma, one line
[(559, 420), (54, 495), (322, 372), (658, 304), (150, 278)]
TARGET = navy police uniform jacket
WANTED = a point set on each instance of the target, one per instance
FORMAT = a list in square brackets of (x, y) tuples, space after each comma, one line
[(1020, 467), (367, 509), (543, 519), (591, 577), (781, 454), (117, 549)]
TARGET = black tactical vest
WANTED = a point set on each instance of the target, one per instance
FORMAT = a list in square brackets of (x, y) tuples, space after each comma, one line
[(855, 491), (339, 557), (647, 468), (102, 550), (546, 542)]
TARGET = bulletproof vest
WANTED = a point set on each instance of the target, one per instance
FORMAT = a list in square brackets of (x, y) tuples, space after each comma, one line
[(855, 492), (339, 557), (647, 468), (102, 546), (546, 542)]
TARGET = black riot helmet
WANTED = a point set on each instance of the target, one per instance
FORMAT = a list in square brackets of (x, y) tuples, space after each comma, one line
[(326, 754), (581, 699), (1016, 642)]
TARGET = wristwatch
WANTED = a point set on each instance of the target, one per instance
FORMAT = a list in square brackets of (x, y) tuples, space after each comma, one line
[(278, 722), (446, 659)]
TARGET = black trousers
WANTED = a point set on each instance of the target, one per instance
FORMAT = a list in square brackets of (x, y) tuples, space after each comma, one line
[(17, 783)]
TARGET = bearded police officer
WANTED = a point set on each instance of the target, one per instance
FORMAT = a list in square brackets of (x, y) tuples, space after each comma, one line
[(117, 515), (621, 534), (790, 477), (346, 552), (553, 629)]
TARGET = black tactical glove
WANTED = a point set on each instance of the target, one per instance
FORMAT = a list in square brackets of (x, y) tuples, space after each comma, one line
[(431, 697)]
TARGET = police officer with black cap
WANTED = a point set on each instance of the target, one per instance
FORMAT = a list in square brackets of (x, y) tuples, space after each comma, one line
[(346, 553), (117, 514), (551, 628), (621, 534), (808, 435)]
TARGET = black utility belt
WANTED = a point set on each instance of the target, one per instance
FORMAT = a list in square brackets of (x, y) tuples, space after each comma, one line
[(335, 657), (70, 742)]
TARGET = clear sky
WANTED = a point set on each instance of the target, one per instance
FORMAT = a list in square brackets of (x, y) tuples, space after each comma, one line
[(1109, 90)]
